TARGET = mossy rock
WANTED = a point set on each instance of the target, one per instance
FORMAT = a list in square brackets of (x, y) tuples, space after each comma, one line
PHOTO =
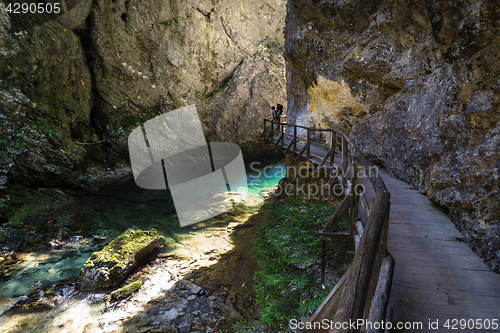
[(124, 292), (111, 266)]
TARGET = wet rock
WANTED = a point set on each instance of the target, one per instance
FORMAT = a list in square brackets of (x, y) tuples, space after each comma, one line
[(110, 266), (98, 239), (42, 304), (143, 322), (166, 255), (124, 292), (85, 248), (68, 253)]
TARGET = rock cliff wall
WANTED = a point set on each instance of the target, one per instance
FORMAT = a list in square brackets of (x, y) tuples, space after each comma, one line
[(73, 87), (417, 85)]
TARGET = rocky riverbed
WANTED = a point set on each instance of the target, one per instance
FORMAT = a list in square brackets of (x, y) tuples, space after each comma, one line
[(205, 287), (205, 267)]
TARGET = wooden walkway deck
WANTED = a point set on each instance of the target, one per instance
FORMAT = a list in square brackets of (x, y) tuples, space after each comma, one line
[(437, 277)]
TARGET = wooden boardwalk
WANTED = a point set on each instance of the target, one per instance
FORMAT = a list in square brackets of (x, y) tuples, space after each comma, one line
[(437, 277)]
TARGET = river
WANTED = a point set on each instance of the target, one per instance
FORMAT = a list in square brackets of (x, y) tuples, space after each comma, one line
[(94, 219)]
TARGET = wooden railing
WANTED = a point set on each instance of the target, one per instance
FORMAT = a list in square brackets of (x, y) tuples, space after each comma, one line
[(363, 292)]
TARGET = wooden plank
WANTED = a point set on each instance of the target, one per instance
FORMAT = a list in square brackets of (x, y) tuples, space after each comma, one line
[(419, 215), (364, 204), (380, 300), (288, 147), (294, 138), (377, 263), (279, 139), (340, 236), (300, 153), (283, 134), (457, 261), (434, 222), (354, 209), (327, 155), (333, 144), (417, 312), (478, 282), (438, 295), (428, 231), (308, 144), (415, 199), (329, 305), (410, 207), (359, 228), (352, 304), (343, 208), (345, 163), (362, 217), (427, 245)]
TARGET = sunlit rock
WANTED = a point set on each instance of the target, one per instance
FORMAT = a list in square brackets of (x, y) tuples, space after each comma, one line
[(110, 266)]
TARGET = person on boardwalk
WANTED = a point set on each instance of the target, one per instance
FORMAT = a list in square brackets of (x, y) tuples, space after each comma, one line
[(278, 113), (274, 116)]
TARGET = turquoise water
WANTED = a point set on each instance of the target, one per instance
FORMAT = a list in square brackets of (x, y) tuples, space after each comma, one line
[(99, 217), (262, 176)]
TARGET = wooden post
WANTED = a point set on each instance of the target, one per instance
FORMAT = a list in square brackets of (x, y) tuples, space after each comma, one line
[(294, 138), (380, 300), (265, 127), (354, 296), (283, 135), (333, 143), (355, 196), (377, 261), (345, 162), (272, 131), (308, 145)]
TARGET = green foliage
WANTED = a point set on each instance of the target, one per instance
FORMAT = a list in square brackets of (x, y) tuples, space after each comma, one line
[(271, 59), (18, 141), (48, 130), (288, 251), (10, 80), (245, 327), (270, 45), (220, 89)]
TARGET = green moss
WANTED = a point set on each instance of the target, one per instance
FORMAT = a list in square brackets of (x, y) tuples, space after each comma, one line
[(26, 205), (49, 292), (131, 121), (354, 53), (125, 292), (109, 266)]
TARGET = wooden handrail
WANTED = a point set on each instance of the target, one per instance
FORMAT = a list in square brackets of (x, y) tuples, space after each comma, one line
[(351, 299)]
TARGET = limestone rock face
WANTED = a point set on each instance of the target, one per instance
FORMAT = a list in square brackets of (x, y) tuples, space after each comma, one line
[(187, 50), (45, 98), (428, 76), (73, 88), (235, 112), (110, 266)]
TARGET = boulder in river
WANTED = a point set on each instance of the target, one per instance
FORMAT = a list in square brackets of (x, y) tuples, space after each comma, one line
[(111, 266)]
